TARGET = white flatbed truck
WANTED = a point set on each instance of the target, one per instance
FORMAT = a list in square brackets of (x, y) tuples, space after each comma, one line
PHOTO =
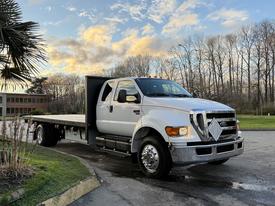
[(155, 120)]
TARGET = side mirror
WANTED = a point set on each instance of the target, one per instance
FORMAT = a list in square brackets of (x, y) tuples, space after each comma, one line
[(133, 98), (122, 96)]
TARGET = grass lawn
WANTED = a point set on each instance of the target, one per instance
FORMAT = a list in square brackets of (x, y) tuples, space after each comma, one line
[(54, 174), (256, 122)]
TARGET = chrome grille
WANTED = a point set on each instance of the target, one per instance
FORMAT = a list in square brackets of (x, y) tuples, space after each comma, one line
[(226, 119)]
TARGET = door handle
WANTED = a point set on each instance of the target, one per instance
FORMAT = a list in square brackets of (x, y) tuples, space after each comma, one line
[(137, 112), (111, 108)]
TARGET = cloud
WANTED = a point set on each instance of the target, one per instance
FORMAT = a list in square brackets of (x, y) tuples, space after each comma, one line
[(161, 9), (229, 17), (188, 5), (89, 53), (148, 29), (135, 11), (175, 24), (49, 8), (52, 23), (95, 49), (89, 15), (116, 19), (183, 16), (71, 8), (83, 13), (98, 35)]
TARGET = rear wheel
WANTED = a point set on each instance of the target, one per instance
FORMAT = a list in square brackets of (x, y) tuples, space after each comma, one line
[(45, 136), (154, 158), (218, 162)]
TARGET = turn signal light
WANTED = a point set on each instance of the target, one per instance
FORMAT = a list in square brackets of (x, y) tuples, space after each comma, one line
[(172, 131), (177, 131)]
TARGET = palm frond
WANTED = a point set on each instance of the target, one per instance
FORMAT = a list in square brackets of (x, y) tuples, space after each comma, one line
[(22, 46), (9, 12), (3, 59), (14, 74), (25, 47)]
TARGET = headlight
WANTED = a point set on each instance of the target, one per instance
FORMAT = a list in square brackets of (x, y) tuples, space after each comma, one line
[(178, 131)]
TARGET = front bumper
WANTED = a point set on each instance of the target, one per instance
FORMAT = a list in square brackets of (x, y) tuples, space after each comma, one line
[(184, 155)]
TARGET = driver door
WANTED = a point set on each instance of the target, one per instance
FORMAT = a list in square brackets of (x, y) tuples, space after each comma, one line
[(125, 115)]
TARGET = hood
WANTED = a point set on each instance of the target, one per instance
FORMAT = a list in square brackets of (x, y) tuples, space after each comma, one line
[(186, 104)]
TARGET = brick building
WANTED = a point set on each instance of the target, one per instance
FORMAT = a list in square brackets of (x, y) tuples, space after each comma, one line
[(16, 103)]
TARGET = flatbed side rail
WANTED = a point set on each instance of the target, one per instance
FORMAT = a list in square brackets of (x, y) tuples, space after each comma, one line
[(64, 120)]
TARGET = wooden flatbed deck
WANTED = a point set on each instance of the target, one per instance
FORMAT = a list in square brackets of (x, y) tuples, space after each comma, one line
[(76, 120)]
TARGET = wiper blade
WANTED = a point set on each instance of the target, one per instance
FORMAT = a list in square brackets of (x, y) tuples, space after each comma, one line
[(181, 95), (158, 95)]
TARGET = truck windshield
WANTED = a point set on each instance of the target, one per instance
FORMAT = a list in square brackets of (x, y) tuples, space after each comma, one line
[(161, 88)]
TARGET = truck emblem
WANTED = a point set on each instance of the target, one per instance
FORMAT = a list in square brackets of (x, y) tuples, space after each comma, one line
[(215, 129)]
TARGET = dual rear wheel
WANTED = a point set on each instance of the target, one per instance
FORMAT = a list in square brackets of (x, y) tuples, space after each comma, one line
[(46, 135)]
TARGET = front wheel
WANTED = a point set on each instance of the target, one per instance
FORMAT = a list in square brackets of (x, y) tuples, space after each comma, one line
[(218, 162), (154, 158)]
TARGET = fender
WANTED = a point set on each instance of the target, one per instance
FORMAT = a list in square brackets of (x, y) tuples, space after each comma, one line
[(157, 118)]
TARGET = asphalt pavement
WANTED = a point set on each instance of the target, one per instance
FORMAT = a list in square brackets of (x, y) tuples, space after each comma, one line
[(248, 179)]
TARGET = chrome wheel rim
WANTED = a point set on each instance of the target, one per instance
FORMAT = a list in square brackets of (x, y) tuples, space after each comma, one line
[(150, 158), (39, 135)]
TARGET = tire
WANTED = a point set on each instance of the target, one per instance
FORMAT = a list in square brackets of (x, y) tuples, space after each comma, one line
[(45, 136), (218, 162), (162, 162)]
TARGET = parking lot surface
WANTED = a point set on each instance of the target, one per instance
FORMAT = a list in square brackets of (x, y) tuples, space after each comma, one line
[(248, 179)]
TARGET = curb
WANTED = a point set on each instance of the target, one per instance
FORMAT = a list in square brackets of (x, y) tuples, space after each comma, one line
[(73, 193), (77, 191)]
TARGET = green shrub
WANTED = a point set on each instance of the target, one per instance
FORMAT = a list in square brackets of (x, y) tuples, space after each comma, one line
[(268, 109), (37, 112)]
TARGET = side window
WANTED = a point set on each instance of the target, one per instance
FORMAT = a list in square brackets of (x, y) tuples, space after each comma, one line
[(129, 86), (107, 91)]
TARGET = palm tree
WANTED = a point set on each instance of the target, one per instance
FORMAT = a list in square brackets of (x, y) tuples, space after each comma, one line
[(21, 50)]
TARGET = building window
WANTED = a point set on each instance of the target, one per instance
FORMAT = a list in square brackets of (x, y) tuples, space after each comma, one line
[(16, 110), (25, 100), (12, 99), (8, 110), (1, 101), (29, 100), (12, 110), (17, 99), (25, 110), (21, 100), (8, 99)]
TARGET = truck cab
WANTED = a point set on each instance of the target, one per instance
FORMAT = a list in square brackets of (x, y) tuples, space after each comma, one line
[(160, 123)]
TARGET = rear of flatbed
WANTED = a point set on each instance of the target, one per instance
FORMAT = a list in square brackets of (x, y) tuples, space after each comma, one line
[(52, 127)]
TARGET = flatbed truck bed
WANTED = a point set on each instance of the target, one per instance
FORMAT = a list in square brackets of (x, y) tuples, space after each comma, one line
[(71, 120)]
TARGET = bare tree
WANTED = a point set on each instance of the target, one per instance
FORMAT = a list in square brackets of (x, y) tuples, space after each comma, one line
[(139, 66), (248, 41)]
